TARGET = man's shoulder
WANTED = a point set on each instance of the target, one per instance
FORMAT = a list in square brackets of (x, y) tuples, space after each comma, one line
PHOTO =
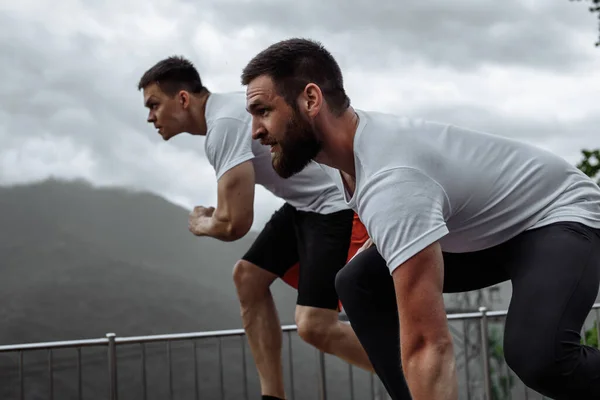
[(223, 107), (394, 122), (226, 114), (388, 141), (228, 125)]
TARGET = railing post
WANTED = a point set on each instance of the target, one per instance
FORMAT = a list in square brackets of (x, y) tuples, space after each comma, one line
[(322, 377), (112, 366), (487, 384)]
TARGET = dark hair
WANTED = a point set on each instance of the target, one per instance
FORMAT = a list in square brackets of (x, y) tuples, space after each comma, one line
[(294, 63), (173, 74)]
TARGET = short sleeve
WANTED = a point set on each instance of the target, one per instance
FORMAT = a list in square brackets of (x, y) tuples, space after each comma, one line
[(403, 210), (228, 144)]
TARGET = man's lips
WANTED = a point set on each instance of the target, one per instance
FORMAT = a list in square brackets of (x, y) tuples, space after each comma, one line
[(273, 145)]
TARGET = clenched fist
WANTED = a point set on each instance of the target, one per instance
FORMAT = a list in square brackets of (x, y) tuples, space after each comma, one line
[(199, 220)]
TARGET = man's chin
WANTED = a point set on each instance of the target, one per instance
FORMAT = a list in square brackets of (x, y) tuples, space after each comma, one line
[(286, 172), (167, 136)]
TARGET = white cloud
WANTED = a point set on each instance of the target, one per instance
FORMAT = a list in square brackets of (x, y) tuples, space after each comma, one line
[(70, 108), (37, 158)]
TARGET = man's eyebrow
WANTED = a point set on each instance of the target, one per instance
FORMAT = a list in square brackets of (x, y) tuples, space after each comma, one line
[(252, 106), (148, 101)]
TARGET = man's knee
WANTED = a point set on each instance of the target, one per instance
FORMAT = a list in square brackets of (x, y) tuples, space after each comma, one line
[(315, 325), (541, 364), (250, 280), (527, 364), (345, 281), (366, 276)]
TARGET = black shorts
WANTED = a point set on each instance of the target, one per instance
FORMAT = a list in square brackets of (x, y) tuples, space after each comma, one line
[(315, 243)]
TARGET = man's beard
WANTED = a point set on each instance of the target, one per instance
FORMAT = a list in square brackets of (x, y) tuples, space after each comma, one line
[(297, 149)]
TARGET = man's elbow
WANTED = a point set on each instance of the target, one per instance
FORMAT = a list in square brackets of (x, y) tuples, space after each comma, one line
[(237, 229)]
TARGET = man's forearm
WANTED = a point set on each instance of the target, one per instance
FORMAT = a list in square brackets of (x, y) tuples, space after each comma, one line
[(431, 372), (219, 227)]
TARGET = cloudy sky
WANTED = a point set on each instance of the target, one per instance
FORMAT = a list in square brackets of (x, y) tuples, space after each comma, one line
[(69, 106)]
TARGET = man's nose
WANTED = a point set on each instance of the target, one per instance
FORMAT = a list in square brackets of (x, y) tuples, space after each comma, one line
[(257, 131)]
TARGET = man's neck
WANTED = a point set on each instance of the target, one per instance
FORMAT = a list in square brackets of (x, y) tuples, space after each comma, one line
[(338, 141), (198, 113)]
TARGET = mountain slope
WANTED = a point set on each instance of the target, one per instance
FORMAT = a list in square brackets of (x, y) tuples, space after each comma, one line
[(78, 262)]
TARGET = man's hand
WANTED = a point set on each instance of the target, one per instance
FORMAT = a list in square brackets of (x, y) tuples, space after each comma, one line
[(199, 220)]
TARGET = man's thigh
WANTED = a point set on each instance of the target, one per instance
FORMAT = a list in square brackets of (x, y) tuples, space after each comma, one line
[(323, 249), (275, 249), (555, 274), (464, 272)]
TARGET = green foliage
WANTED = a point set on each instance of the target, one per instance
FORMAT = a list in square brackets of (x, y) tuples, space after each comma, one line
[(595, 8), (590, 165), (501, 383), (591, 337)]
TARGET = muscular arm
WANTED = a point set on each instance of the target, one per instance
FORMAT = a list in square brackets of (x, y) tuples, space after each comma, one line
[(234, 214), (425, 341)]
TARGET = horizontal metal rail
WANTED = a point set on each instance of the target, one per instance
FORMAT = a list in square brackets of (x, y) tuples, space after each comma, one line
[(55, 345), (111, 342), (131, 339), (201, 335)]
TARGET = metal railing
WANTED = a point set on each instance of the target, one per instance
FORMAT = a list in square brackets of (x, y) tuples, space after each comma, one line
[(111, 342)]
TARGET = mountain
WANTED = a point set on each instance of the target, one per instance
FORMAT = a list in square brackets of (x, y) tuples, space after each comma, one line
[(78, 262)]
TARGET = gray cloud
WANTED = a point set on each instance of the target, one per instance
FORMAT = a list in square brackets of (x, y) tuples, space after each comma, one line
[(69, 106), (460, 34)]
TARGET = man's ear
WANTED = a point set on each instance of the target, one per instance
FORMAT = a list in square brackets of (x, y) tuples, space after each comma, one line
[(184, 98), (312, 99)]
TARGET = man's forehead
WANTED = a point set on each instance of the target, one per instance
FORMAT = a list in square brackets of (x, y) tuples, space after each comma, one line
[(151, 92), (256, 96), (152, 89), (261, 85), (260, 90)]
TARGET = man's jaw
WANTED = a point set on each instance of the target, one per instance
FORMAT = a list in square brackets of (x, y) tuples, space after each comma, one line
[(164, 134), (323, 158)]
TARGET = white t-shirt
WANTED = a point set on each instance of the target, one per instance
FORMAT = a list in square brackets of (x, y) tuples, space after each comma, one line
[(418, 182), (229, 143)]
